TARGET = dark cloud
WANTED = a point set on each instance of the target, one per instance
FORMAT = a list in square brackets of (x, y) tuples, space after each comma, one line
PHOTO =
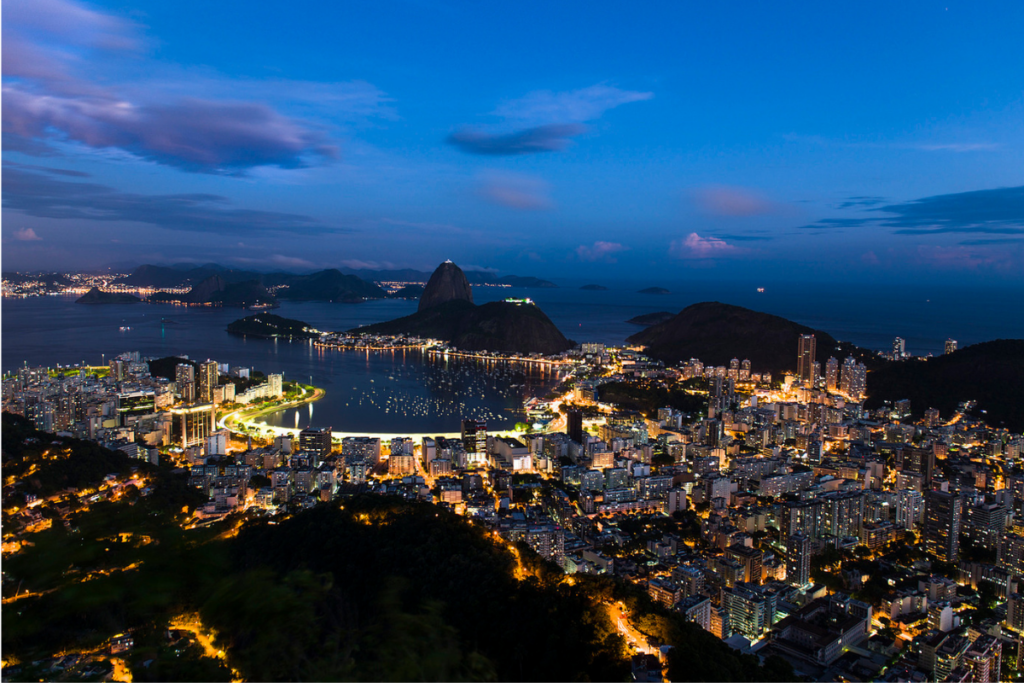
[(548, 138), (47, 197), (854, 202), (193, 134), (46, 169), (837, 223), (746, 238), (995, 240), (999, 211)]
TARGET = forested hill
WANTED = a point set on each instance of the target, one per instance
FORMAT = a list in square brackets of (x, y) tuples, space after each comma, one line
[(990, 373)]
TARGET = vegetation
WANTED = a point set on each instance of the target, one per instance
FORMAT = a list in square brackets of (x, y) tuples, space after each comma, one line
[(269, 325), (648, 398)]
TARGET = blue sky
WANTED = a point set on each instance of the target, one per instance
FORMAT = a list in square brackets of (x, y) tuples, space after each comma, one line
[(860, 142)]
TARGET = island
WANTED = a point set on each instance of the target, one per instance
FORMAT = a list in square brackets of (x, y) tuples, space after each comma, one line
[(97, 296), (654, 290), (270, 326), (446, 311), (594, 288), (648, 319)]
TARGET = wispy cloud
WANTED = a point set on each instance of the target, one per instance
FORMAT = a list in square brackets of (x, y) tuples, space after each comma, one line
[(725, 200), (693, 246), (516, 191), (599, 251), (854, 202), (47, 197), (542, 121), (585, 104), (51, 48), (549, 138), (998, 211)]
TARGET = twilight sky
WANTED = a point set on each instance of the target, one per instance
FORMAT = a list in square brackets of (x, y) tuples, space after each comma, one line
[(863, 142)]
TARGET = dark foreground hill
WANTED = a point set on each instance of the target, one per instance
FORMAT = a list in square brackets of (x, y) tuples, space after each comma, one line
[(716, 333), (991, 373), (97, 296), (496, 326), (270, 326)]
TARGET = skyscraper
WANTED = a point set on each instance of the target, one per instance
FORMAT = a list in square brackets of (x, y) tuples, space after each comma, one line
[(574, 424), (798, 560), (899, 348), (832, 374), (951, 345), (208, 377), (805, 358), (185, 378), (316, 440), (474, 439), (942, 525), (854, 378)]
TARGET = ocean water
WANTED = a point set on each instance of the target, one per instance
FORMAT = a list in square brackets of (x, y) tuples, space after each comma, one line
[(391, 392)]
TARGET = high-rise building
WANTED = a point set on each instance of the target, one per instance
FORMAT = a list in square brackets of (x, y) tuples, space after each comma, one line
[(951, 345), (185, 378), (805, 358), (474, 439), (798, 560), (909, 508), (192, 425), (751, 610), (275, 383), (899, 348), (854, 378), (943, 512), (208, 377), (832, 374), (574, 424), (316, 441)]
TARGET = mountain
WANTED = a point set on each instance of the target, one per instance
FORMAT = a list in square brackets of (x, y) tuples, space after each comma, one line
[(271, 326), (329, 285), (407, 292), (594, 288), (654, 290), (991, 373), (716, 333), (96, 296), (497, 326), (177, 276), (447, 283), (526, 282), (214, 290), (648, 319)]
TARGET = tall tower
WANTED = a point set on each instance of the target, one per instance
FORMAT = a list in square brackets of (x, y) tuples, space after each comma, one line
[(951, 345), (574, 424), (474, 439), (832, 374), (899, 348), (805, 358), (208, 378), (185, 378), (942, 525), (798, 560)]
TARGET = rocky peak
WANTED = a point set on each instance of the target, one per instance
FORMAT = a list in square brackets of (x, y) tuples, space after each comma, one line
[(448, 283)]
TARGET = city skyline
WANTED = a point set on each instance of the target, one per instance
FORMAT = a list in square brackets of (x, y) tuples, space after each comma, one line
[(879, 144)]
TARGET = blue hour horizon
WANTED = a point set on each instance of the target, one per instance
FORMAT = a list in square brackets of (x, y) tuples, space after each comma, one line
[(863, 144)]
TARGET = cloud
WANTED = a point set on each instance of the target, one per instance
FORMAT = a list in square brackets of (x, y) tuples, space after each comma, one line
[(46, 197), (516, 191), (723, 200), (599, 251), (544, 121), (193, 122), (693, 246), (27, 235), (996, 211), (854, 202), (957, 147), (747, 238), (585, 104), (963, 258), (46, 169), (997, 240), (548, 138)]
